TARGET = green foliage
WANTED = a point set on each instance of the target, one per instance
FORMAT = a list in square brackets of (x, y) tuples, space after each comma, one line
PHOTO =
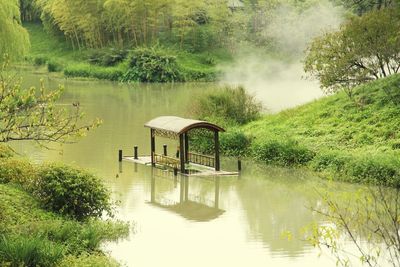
[(32, 236), (14, 39), (18, 172), (88, 260), (281, 152), (364, 49), (32, 114), (28, 251), (72, 192), (353, 140), (152, 65), (5, 152), (54, 66), (39, 60), (228, 106), (97, 72), (109, 57)]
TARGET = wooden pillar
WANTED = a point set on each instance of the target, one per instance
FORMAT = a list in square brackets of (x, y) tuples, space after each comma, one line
[(153, 146), (182, 153), (186, 147), (216, 145)]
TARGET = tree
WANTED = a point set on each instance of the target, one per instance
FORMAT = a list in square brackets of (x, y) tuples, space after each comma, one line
[(369, 219), (31, 114), (362, 6), (364, 49), (14, 39)]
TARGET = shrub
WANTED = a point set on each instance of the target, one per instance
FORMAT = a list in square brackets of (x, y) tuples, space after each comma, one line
[(72, 192), (17, 171), (286, 153), (230, 105), (39, 61), (109, 57), (382, 170), (152, 65), (28, 251), (330, 160), (54, 66), (234, 143)]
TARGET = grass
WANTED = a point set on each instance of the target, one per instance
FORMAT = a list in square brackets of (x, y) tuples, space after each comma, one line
[(354, 139), (58, 56)]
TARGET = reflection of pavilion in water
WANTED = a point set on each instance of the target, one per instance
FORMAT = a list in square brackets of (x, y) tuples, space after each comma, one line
[(190, 206)]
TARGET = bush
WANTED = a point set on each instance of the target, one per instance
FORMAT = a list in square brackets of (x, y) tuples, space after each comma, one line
[(234, 143), (109, 57), (39, 60), (54, 66), (72, 192), (28, 251), (230, 105), (152, 65), (18, 172), (376, 170), (286, 153), (88, 260), (330, 160)]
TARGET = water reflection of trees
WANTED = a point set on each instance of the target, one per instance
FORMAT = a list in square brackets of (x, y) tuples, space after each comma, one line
[(277, 200)]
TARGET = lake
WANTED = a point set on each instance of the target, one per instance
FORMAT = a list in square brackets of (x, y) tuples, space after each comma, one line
[(180, 221)]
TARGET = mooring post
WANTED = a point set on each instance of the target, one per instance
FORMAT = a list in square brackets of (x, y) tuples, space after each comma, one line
[(165, 150), (177, 153), (175, 171), (239, 164), (120, 155), (135, 152)]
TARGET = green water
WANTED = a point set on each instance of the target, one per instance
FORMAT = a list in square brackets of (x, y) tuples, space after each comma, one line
[(226, 221)]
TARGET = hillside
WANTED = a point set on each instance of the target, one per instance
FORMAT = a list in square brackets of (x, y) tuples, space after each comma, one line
[(354, 139)]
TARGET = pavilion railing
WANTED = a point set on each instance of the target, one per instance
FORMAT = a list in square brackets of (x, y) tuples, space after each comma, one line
[(166, 161), (201, 159)]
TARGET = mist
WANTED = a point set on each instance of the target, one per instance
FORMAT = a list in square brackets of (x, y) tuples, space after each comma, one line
[(278, 79)]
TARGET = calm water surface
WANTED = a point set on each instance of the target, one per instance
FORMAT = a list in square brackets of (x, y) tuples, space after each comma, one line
[(225, 221)]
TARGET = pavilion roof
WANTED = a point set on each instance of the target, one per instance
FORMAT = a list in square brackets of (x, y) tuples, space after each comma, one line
[(180, 125)]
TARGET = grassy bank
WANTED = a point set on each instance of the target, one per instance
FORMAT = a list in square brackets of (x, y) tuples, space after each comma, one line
[(57, 55), (353, 139), (35, 233)]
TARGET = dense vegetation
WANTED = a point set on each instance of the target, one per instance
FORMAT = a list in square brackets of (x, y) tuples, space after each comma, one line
[(37, 211)]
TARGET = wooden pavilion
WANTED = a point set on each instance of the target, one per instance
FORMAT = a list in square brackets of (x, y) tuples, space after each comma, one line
[(179, 128)]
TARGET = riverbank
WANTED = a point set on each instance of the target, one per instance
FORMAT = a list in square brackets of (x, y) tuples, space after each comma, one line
[(56, 55), (33, 234), (351, 139)]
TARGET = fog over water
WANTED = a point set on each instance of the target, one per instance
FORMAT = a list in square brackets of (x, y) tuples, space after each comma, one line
[(279, 81)]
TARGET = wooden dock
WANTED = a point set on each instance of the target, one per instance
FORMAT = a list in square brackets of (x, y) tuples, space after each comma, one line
[(191, 168)]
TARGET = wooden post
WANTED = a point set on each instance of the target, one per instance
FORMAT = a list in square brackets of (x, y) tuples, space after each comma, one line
[(186, 147), (216, 146), (182, 153), (120, 155), (239, 164), (153, 146), (165, 150), (135, 152)]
